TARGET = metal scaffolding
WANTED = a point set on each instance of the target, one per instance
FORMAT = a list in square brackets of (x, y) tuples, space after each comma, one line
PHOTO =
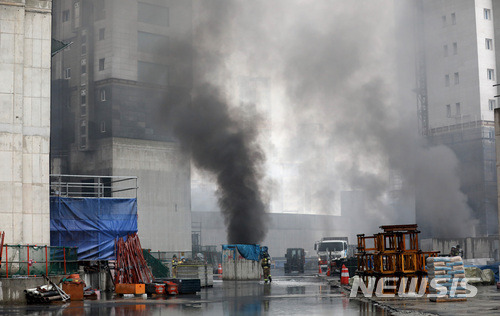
[(89, 186)]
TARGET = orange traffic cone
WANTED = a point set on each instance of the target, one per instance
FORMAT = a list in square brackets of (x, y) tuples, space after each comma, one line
[(344, 276), (219, 269), (328, 272), (319, 272)]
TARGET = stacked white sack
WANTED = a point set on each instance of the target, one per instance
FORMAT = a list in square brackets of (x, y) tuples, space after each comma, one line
[(447, 271)]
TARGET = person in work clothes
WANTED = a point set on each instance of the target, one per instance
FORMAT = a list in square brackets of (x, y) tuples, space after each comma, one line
[(266, 267), (174, 266)]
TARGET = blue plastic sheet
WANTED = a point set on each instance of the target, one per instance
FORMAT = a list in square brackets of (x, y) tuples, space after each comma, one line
[(249, 252), (91, 224)]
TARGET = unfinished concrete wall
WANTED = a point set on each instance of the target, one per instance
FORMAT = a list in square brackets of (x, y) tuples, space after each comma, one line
[(235, 267), (25, 49), (473, 247), (12, 290), (285, 231), (163, 204)]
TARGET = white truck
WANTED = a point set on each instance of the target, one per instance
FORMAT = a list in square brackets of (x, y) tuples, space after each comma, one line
[(331, 251)]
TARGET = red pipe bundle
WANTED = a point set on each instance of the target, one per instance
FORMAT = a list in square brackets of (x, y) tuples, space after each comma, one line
[(131, 267)]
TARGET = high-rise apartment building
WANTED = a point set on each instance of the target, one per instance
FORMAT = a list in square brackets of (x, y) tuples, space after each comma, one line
[(111, 89), (456, 73)]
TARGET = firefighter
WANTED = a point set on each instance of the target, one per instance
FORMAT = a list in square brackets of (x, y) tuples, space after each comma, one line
[(174, 266), (266, 267), (453, 252)]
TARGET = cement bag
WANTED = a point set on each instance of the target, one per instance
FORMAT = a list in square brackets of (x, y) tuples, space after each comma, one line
[(437, 259), (473, 272), (488, 276)]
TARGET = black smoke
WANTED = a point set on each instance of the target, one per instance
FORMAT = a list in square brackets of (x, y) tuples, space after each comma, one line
[(225, 145), (345, 126)]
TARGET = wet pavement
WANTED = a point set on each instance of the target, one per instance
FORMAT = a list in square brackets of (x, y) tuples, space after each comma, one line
[(287, 295), (486, 302)]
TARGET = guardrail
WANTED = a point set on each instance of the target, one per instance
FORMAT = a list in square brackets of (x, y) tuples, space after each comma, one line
[(33, 260)]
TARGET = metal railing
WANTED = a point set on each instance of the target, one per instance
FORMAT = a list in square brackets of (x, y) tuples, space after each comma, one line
[(93, 186), (33, 260)]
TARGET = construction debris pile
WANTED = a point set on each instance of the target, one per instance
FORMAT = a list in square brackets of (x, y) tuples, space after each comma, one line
[(394, 253), (447, 271), (131, 267)]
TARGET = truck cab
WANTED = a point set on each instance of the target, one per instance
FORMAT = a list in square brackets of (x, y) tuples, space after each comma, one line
[(295, 260), (330, 249)]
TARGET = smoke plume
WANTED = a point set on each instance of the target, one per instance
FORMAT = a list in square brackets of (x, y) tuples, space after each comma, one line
[(225, 146), (336, 114)]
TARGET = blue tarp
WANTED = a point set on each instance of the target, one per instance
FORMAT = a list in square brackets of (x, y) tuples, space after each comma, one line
[(91, 224), (249, 252)]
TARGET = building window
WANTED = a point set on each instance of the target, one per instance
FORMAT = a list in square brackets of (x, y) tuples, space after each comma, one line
[(84, 69), (152, 14), (103, 127), (447, 80), (101, 34), (152, 73), (489, 44), (101, 64), (83, 142), (83, 110), (67, 73), (103, 95), (445, 50), (457, 108), (83, 96), (448, 110), (491, 74), (65, 16), (84, 38), (443, 19), (455, 48), (152, 43), (492, 104), (487, 14), (457, 78), (84, 49), (83, 127), (453, 19)]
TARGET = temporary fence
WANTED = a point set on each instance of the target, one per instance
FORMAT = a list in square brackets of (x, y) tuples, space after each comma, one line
[(166, 256), (33, 260)]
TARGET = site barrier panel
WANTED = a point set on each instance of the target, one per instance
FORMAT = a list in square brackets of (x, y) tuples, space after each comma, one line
[(33, 260)]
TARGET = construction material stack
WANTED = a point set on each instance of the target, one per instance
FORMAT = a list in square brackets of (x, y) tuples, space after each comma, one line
[(132, 272), (446, 273), (202, 272), (393, 253)]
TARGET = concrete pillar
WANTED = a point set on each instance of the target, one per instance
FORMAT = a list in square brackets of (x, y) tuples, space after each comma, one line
[(25, 56), (497, 150)]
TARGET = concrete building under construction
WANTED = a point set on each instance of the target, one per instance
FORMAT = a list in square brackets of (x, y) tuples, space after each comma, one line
[(457, 54), (25, 55), (109, 88)]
